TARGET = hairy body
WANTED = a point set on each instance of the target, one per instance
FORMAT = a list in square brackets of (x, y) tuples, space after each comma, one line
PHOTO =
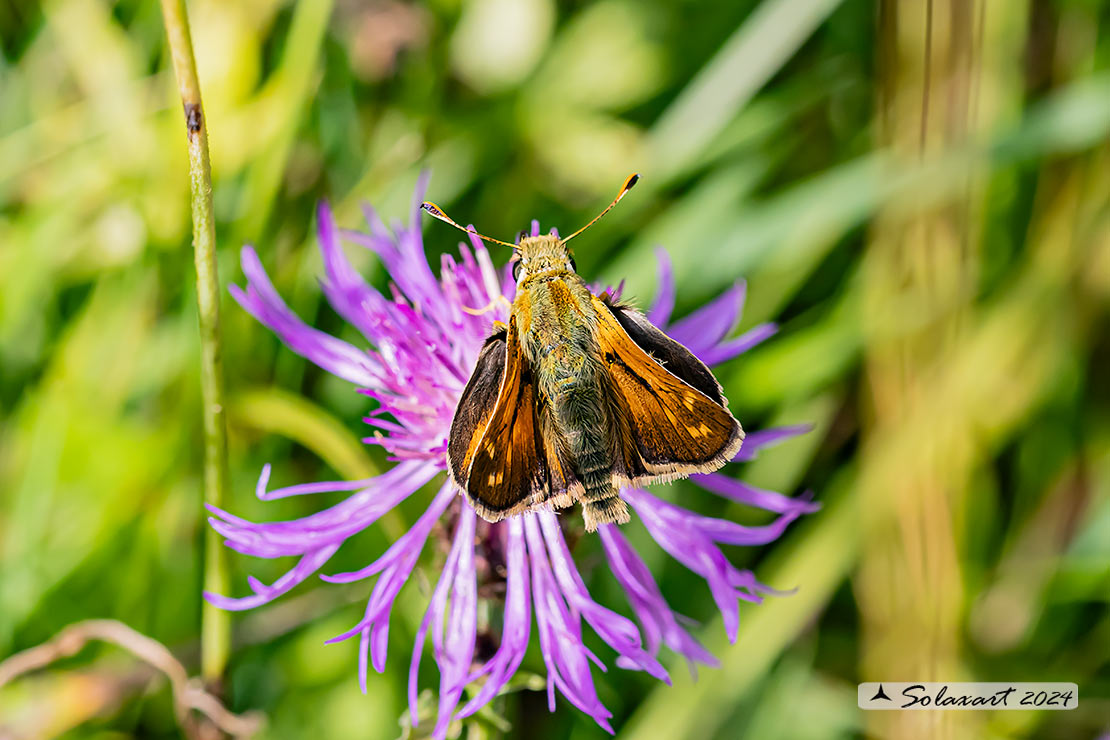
[(557, 307)]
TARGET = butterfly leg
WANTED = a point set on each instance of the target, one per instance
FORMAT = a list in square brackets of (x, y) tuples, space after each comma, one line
[(499, 300)]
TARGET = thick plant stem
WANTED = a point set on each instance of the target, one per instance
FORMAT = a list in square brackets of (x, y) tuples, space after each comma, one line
[(215, 623)]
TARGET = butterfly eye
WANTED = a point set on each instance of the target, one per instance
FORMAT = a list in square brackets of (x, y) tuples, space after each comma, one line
[(573, 264), (516, 269)]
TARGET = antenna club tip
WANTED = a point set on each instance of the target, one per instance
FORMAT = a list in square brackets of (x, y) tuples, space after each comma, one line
[(632, 180)]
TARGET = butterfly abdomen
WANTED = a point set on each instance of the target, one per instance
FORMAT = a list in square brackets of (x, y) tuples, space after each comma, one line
[(569, 377), (580, 416)]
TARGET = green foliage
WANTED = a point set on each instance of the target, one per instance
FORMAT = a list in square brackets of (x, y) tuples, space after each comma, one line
[(759, 130)]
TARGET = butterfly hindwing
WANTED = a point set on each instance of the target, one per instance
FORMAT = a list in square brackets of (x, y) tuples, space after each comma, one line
[(675, 422), (508, 472), (564, 488)]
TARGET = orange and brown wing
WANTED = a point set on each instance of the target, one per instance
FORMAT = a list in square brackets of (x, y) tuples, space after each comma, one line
[(674, 358), (563, 486), (673, 418), (476, 405), (506, 469)]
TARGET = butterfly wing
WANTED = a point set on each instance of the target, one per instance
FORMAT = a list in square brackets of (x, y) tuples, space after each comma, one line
[(563, 485), (674, 358), (673, 419), (506, 470), (476, 405)]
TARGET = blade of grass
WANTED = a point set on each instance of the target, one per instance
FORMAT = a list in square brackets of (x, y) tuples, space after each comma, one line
[(292, 85), (755, 52), (779, 241), (215, 623)]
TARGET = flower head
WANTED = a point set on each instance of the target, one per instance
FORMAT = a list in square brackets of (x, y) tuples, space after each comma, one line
[(421, 346)]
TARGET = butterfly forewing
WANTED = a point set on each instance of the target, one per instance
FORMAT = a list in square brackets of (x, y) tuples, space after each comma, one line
[(476, 405), (507, 467), (674, 358), (672, 428)]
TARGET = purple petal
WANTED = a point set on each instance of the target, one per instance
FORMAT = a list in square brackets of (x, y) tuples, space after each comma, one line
[(733, 347), (434, 615), (311, 562), (517, 620), (620, 633), (755, 441), (410, 542), (692, 540), (462, 624), (663, 305), (452, 647), (705, 327), (304, 488), (651, 608), (746, 493), (334, 355), (344, 287), (335, 523), (566, 657)]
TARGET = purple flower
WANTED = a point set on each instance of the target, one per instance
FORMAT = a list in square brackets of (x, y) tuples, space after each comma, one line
[(420, 348)]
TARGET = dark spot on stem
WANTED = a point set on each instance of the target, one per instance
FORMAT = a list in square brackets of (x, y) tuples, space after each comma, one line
[(193, 118)]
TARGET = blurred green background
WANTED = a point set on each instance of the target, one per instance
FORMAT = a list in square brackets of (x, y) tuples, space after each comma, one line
[(918, 191)]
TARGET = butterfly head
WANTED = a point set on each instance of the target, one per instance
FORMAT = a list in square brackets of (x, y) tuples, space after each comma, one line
[(536, 255)]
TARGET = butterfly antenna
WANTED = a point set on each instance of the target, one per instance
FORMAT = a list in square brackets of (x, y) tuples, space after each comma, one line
[(437, 212), (632, 179)]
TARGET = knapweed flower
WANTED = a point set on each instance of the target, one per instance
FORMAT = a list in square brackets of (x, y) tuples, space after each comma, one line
[(421, 346)]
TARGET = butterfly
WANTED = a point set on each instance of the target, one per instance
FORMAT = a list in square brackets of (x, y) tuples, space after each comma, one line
[(579, 395)]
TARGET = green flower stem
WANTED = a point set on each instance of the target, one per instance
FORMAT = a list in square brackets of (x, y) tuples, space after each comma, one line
[(215, 623)]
